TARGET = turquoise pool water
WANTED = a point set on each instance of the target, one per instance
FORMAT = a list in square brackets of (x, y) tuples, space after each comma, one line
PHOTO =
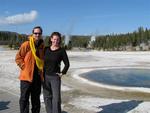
[(121, 77)]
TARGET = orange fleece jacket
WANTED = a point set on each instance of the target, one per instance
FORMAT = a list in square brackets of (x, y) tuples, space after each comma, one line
[(24, 58)]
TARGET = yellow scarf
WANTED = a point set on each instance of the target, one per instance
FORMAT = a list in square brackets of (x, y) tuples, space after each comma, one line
[(39, 62)]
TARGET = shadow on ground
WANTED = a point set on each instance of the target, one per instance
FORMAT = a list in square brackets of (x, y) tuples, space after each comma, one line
[(4, 105), (122, 107), (64, 112)]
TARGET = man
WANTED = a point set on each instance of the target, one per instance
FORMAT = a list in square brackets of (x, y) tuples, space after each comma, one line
[(28, 58)]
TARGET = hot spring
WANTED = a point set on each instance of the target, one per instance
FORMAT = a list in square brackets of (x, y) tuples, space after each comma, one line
[(120, 77)]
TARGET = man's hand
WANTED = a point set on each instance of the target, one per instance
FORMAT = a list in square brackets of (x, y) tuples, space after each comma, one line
[(22, 66)]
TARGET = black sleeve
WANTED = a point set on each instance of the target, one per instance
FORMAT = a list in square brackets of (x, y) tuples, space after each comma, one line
[(66, 61)]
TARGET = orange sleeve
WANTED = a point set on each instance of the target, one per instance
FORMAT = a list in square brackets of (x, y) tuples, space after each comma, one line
[(21, 54)]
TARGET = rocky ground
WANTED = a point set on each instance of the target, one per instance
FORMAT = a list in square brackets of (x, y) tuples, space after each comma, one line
[(83, 96)]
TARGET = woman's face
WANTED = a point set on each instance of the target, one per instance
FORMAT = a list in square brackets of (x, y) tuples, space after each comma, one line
[(55, 40)]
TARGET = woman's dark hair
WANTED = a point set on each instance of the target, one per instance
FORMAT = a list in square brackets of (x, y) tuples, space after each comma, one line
[(55, 34), (37, 27)]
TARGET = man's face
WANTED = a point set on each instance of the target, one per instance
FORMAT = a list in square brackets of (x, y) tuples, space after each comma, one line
[(37, 33)]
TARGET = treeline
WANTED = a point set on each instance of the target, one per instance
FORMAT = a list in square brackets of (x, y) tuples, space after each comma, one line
[(138, 40), (135, 41), (12, 39)]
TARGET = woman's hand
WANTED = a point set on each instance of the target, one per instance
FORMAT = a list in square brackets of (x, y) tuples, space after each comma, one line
[(59, 74)]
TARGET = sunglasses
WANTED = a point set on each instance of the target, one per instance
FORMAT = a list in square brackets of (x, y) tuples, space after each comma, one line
[(37, 33)]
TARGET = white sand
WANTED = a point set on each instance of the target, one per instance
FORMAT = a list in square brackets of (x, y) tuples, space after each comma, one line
[(83, 62), (111, 105)]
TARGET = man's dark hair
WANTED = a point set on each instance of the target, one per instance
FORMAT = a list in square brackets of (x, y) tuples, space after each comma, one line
[(37, 27)]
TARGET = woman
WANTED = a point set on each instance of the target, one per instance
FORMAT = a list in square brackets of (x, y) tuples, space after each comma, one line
[(54, 54)]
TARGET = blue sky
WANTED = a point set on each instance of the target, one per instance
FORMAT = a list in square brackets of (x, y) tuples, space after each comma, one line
[(79, 17)]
